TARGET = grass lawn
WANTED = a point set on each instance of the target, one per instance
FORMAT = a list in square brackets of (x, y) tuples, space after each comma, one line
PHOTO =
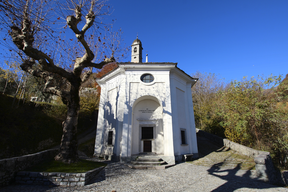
[(55, 166)]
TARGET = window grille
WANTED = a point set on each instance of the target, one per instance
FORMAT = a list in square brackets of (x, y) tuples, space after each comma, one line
[(110, 137), (147, 78)]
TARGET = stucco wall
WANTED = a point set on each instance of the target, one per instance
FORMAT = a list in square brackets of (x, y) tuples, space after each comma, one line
[(123, 90), (110, 116), (118, 96), (183, 119), (160, 91)]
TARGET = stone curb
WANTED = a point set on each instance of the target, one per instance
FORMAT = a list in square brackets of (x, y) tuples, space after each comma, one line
[(9, 166), (56, 178)]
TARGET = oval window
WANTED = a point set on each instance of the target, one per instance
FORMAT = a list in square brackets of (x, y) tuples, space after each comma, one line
[(147, 78)]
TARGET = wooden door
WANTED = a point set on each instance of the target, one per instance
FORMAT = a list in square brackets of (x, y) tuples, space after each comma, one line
[(147, 146)]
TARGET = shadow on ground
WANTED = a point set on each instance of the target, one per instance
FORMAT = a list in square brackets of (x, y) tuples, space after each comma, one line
[(115, 169), (211, 154), (238, 179), (236, 169)]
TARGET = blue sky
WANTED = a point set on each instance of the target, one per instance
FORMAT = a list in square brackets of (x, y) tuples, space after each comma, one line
[(231, 38)]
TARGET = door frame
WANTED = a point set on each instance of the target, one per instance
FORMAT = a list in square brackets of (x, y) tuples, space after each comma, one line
[(141, 141)]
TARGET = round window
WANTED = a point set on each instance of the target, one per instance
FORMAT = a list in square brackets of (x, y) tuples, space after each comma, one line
[(147, 78)]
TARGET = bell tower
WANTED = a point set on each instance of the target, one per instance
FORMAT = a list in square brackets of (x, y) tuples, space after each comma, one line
[(136, 51)]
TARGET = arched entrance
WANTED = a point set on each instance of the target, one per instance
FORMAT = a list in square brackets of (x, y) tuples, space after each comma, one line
[(147, 126)]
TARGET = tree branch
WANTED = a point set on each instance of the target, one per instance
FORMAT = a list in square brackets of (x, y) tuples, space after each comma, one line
[(72, 22), (50, 79), (90, 17), (101, 64), (53, 90), (23, 40), (27, 66), (86, 75)]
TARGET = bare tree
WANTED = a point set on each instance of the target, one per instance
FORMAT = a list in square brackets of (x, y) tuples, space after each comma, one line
[(204, 94), (28, 21)]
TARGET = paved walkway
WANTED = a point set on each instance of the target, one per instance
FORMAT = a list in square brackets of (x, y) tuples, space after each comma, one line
[(182, 177), (218, 169)]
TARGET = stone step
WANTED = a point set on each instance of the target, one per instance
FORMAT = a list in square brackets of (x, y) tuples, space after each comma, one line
[(152, 159), (158, 167), (148, 162)]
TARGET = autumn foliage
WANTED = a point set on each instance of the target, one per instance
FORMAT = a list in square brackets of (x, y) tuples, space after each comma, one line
[(252, 112)]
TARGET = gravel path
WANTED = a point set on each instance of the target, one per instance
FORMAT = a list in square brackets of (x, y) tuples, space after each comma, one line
[(181, 177), (221, 173)]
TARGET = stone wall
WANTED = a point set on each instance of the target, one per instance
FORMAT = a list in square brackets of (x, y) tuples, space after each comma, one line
[(9, 166), (230, 144), (264, 165), (56, 178)]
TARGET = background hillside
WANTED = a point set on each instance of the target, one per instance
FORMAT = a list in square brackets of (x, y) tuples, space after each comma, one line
[(27, 127), (33, 127)]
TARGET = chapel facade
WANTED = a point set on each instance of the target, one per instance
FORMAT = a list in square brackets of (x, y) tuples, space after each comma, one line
[(146, 108)]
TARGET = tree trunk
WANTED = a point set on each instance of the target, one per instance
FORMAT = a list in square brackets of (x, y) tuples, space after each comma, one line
[(6, 85), (7, 80), (69, 143)]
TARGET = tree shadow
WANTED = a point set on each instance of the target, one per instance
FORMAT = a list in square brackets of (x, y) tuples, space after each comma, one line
[(205, 146), (233, 181), (113, 169)]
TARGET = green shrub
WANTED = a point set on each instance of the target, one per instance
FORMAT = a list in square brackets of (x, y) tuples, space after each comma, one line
[(253, 117), (206, 102), (252, 112)]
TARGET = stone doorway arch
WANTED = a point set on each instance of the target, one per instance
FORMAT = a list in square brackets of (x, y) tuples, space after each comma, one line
[(147, 126)]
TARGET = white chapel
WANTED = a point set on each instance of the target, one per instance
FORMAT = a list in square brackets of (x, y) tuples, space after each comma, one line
[(146, 108)]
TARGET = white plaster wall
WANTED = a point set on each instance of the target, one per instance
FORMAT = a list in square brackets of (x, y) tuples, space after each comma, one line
[(174, 112), (181, 107), (182, 120), (159, 89), (109, 116), (100, 123), (190, 114), (125, 93)]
